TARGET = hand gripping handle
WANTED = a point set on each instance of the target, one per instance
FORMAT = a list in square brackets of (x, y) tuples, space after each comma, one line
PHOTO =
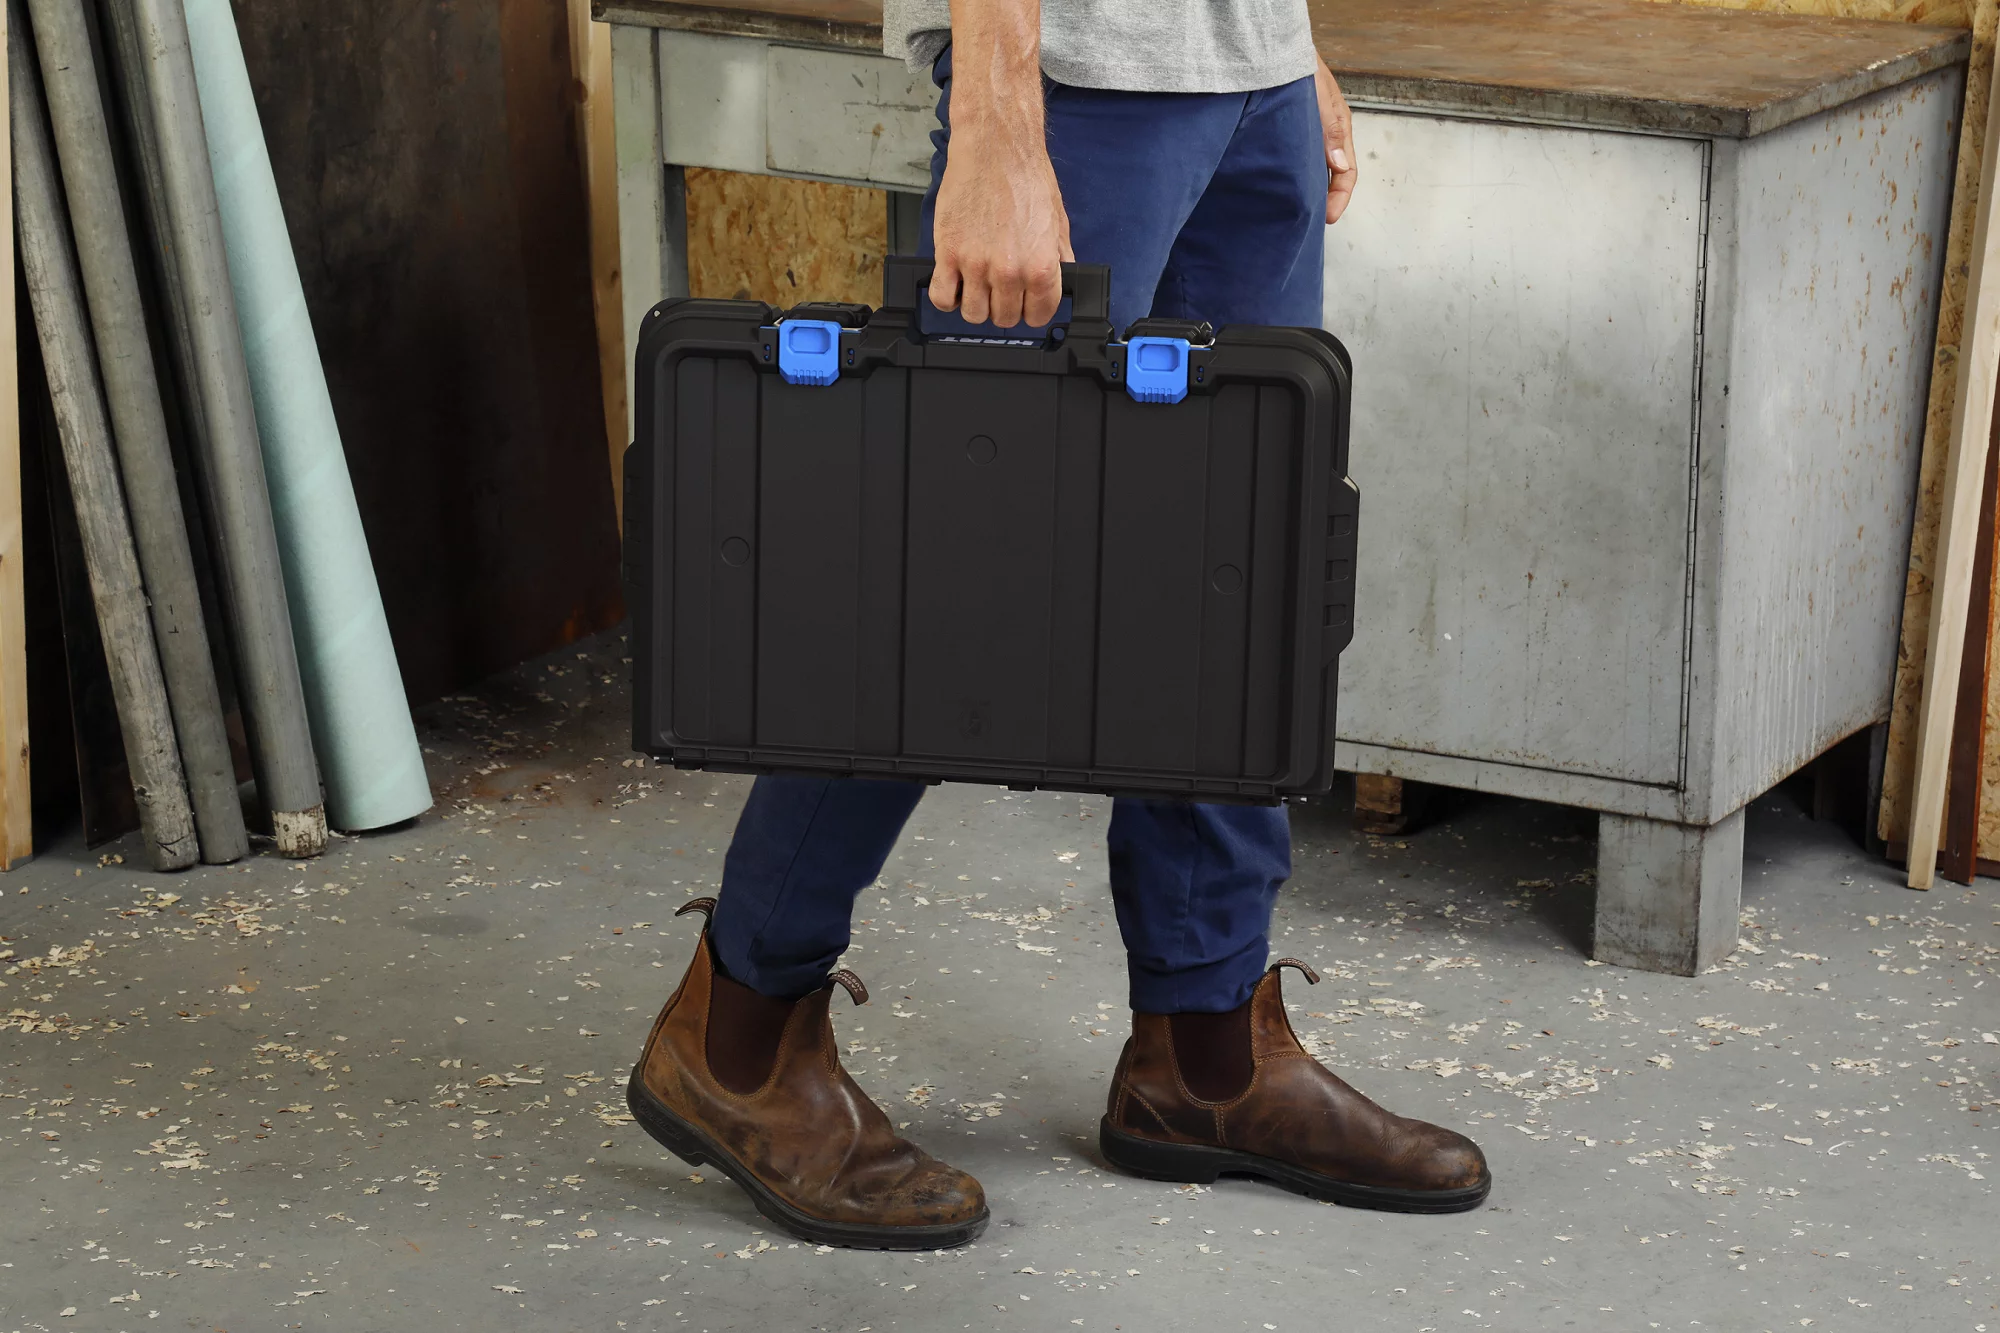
[(1088, 286)]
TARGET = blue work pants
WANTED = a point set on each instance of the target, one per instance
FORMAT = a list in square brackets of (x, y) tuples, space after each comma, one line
[(1207, 206)]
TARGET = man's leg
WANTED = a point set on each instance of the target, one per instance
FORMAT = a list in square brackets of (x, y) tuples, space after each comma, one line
[(1195, 884), (804, 849), (1213, 1079), (741, 1070)]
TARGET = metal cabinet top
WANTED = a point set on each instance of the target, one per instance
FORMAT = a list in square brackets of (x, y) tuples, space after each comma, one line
[(1628, 64)]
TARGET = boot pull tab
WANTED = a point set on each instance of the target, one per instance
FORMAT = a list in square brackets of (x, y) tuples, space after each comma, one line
[(706, 906), (1305, 969), (852, 984)]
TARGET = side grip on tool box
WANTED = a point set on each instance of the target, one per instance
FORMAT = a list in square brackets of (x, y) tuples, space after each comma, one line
[(1088, 286), (1337, 593)]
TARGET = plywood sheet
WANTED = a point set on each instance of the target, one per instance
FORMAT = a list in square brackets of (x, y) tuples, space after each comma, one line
[(771, 238)]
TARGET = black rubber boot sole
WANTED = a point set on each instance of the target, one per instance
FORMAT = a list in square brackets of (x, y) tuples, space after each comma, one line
[(692, 1146), (1191, 1163)]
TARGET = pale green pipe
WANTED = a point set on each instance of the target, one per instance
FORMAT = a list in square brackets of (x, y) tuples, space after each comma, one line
[(369, 758)]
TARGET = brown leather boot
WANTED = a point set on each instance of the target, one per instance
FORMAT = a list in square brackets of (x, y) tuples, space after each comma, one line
[(816, 1156), (1289, 1120)]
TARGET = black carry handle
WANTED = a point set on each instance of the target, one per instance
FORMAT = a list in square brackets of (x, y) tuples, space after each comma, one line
[(1087, 287)]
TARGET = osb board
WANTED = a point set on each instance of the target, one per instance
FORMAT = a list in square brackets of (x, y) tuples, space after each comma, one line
[(771, 238)]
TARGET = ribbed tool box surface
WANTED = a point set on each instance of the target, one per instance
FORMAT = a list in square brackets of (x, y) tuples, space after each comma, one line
[(985, 561)]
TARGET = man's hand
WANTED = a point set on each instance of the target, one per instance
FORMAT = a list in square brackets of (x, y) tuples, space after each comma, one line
[(1337, 124), (1000, 230)]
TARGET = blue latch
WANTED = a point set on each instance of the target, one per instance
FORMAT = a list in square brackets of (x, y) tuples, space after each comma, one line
[(809, 351), (1156, 369)]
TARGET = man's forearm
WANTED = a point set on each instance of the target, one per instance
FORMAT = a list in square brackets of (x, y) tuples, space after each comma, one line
[(996, 69), (999, 229)]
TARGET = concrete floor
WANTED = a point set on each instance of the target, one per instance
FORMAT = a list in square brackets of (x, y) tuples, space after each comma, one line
[(1798, 1139)]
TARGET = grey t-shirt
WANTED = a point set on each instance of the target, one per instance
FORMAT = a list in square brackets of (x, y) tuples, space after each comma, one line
[(1149, 46)]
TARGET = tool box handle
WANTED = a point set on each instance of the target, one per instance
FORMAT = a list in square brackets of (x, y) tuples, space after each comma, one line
[(1088, 286)]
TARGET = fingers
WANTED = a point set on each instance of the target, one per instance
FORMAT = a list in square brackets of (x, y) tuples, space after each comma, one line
[(1339, 190), (1341, 170), (944, 283), (1337, 125), (994, 274), (1003, 294), (975, 299), (1006, 291), (1042, 294)]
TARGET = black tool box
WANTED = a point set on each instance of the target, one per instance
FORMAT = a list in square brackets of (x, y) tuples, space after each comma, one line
[(880, 544)]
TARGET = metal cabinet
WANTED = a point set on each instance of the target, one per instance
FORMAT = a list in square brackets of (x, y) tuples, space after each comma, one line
[(1641, 301)]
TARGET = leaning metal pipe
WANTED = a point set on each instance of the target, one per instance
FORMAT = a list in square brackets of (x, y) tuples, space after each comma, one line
[(367, 745), (138, 421), (126, 54), (227, 446), (55, 291)]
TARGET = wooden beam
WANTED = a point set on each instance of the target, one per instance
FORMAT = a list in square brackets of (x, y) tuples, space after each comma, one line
[(642, 181), (590, 55), (16, 823), (1958, 536), (1387, 806), (1965, 773)]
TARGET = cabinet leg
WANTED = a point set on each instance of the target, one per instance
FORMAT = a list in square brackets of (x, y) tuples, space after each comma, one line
[(1667, 894), (1385, 805)]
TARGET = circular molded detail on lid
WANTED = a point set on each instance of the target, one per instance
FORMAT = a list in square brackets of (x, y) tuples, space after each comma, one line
[(735, 551), (1226, 579), (981, 449)]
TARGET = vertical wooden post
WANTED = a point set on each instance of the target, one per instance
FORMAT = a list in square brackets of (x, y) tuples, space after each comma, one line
[(1958, 538), (1958, 858), (642, 181), (16, 826), (590, 57)]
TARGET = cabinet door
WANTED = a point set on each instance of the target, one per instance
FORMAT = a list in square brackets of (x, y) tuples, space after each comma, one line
[(1523, 309)]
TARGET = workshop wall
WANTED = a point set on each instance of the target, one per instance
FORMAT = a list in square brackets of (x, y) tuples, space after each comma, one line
[(428, 162)]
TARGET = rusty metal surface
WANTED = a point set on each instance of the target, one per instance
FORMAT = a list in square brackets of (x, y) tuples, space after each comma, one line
[(1623, 64), (855, 24), (1827, 245), (1620, 63)]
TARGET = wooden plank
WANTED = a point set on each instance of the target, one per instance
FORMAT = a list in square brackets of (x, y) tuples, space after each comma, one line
[(1898, 769), (16, 807), (590, 55), (1972, 420), (642, 222), (850, 24), (1387, 806), (1963, 787)]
